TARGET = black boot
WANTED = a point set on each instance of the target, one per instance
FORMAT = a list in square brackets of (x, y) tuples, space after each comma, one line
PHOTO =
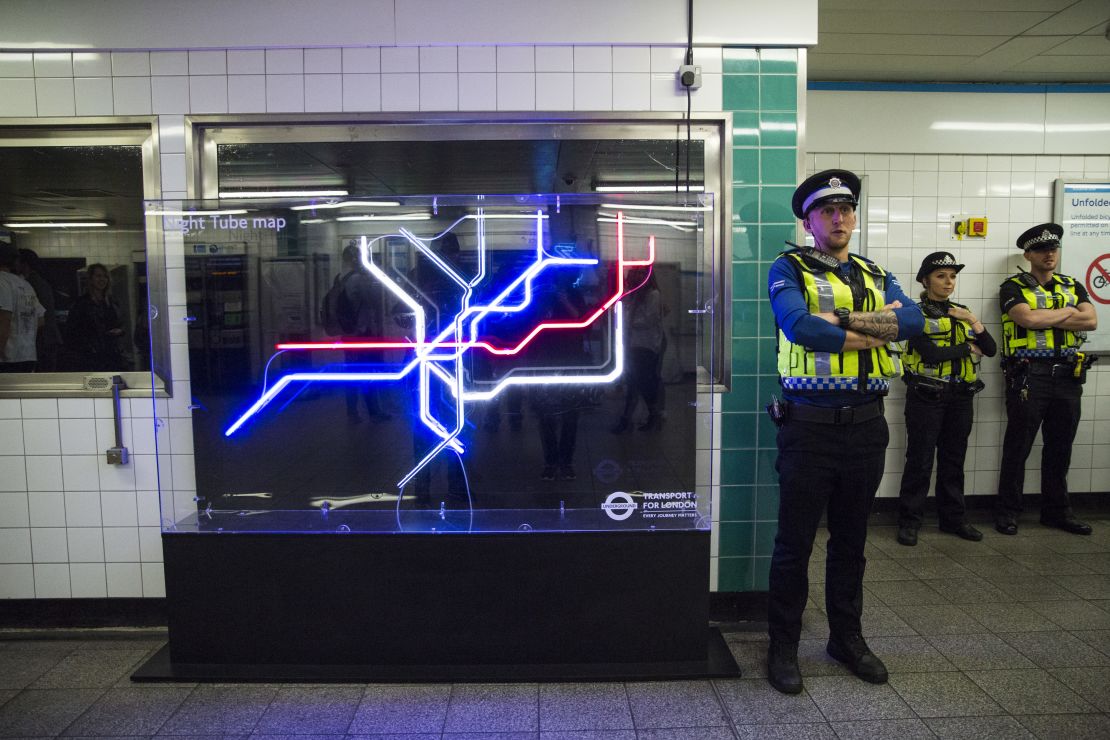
[(782, 667), (852, 651)]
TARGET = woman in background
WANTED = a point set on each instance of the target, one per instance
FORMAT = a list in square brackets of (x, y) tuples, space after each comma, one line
[(94, 327), (941, 380)]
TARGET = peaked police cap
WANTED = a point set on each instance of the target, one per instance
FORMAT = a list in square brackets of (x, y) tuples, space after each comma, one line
[(829, 186), (1041, 236)]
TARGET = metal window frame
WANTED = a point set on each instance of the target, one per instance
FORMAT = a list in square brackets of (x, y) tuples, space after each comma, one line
[(139, 131), (204, 133)]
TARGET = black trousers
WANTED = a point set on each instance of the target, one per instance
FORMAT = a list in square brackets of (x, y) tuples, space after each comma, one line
[(1053, 405), (935, 427), (822, 467)]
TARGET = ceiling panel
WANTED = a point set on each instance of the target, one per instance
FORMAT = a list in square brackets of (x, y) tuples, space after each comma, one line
[(898, 43), (1048, 6), (954, 22), (1081, 46), (1078, 18), (1045, 41)]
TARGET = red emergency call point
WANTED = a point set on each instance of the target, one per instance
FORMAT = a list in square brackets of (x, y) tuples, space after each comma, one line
[(977, 227)]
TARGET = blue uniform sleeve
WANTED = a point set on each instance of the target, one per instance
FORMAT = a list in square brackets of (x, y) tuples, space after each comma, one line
[(911, 322), (792, 314)]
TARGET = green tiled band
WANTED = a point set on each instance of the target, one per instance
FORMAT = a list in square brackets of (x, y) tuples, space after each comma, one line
[(761, 90)]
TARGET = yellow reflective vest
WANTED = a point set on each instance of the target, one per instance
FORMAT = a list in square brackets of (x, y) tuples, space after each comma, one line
[(1017, 341), (826, 289), (944, 331)]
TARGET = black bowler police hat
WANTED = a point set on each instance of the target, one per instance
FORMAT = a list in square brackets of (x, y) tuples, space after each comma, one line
[(936, 261), (830, 186), (1042, 236)]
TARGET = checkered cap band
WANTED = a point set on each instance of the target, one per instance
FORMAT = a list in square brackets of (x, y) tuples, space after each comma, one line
[(1045, 237)]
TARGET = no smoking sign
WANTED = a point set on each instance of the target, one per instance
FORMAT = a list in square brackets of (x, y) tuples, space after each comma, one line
[(1098, 279)]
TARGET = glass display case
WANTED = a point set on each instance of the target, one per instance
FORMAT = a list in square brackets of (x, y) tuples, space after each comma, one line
[(442, 364), (524, 374)]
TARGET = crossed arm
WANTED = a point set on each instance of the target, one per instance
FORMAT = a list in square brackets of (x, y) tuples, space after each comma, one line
[(1081, 317)]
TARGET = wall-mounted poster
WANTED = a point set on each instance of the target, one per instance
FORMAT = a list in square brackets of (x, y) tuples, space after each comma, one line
[(1083, 209)]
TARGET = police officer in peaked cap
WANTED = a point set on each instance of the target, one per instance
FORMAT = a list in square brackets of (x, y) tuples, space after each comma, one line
[(1044, 319), (942, 378), (836, 314)]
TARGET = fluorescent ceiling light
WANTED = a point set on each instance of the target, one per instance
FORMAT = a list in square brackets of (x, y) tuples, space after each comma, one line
[(282, 193), (227, 212), (312, 220), (632, 187), (679, 225), (1029, 128), (348, 204), (639, 207), (989, 126), (391, 217), (56, 224)]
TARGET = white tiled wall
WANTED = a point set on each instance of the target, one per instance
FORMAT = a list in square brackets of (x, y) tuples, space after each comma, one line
[(441, 78), (70, 524), (73, 526), (910, 201)]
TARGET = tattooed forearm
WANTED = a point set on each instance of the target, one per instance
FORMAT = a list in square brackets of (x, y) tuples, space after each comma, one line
[(881, 324)]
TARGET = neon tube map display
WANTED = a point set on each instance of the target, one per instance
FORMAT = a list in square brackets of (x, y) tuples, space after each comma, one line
[(444, 364)]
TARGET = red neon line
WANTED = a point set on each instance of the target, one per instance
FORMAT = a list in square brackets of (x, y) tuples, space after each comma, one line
[(621, 264)]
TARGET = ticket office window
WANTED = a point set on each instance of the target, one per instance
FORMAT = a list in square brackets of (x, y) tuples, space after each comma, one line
[(71, 214)]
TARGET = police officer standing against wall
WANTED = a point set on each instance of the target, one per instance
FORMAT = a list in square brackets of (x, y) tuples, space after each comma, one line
[(1044, 317), (836, 312), (941, 380)]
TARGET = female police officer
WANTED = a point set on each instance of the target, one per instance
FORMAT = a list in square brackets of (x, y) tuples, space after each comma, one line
[(941, 379)]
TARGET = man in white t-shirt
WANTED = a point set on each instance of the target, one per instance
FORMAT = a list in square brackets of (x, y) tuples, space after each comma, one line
[(21, 315)]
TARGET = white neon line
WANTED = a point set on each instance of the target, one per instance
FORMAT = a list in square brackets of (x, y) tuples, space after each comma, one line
[(422, 247), (417, 309), (609, 377)]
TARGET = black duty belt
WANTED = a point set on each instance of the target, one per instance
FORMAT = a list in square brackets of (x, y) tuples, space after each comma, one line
[(1053, 369), (829, 415)]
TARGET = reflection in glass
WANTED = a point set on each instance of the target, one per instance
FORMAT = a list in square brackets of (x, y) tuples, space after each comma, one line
[(90, 280), (444, 364)]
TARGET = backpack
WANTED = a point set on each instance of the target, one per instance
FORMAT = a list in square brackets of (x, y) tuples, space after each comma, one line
[(339, 314)]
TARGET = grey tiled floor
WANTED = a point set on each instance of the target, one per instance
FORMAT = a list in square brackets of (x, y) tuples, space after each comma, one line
[(1007, 638)]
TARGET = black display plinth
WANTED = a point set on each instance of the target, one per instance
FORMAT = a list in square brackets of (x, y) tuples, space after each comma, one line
[(535, 606)]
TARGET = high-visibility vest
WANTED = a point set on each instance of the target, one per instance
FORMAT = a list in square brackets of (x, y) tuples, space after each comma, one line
[(944, 331), (826, 289), (1017, 341)]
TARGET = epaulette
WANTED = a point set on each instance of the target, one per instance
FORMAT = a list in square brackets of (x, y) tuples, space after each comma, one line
[(814, 259)]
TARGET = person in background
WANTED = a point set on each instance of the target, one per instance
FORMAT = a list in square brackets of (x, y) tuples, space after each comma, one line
[(1044, 317), (21, 315), (557, 406), (49, 341), (836, 314), (94, 327), (941, 381), (646, 342), (363, 320)]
